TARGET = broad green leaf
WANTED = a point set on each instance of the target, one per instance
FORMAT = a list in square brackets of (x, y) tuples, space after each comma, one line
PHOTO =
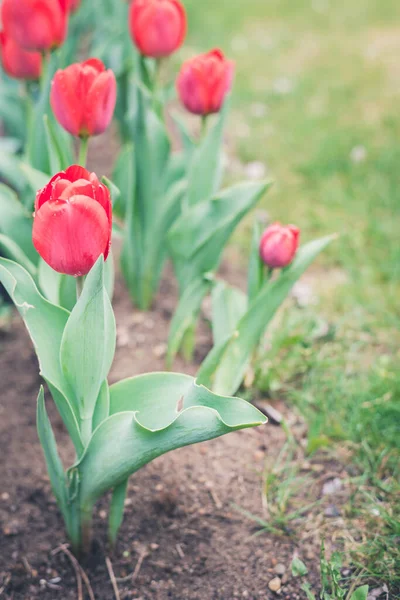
[(12, 251), (36, 179), (88, 344), (102, 408), (58, 288), (116, 515), (204, 176), (162, 412), (13, 108), (198, 237), (360, 593), (45, 323), (11, 173), (234, 360), (186, 314), (53, 462), (256, 275), (187, 141), (123, 178), (299, 569), (16, 223), (228, 307)]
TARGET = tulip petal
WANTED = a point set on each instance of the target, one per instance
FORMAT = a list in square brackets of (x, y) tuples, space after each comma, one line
[(100, 103), (75, 172), (70, 236), (66, 99)]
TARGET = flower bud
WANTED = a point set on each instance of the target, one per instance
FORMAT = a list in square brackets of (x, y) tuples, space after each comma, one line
[(204, 82), (73, 220), (39, 25), (83, 97), (279, 245), (158, 27), (17, 62)]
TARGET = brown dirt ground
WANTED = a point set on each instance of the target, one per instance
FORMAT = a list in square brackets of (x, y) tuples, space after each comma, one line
[(180, 524)]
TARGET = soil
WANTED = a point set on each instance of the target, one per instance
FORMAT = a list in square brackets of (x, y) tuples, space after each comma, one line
[(182, 537)]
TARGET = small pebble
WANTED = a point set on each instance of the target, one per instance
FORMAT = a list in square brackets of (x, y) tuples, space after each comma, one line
[(280, 569), (332, 487), (5, 496), (275, 584)]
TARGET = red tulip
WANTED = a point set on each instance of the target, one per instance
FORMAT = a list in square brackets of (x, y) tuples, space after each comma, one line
[(83, 97), (158, 27), (36, 24), (279, 245), (73, 219), (18, 62), (204, 82)]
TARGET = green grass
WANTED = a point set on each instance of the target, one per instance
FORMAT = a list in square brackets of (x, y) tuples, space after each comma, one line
[(316, 100)]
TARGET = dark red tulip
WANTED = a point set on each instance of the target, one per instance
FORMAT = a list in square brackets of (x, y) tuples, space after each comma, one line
[(83, 97), (279, 245), (73, 220), (36, 24), (17, 62), (158, 27), (204, 82)]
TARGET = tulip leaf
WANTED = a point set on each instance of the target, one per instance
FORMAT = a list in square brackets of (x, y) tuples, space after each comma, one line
[(35, 178), (10, 171), (11, 250), (16, 223), (53, 462), (102, 408), (228, 306), (160, 412), (116, 515), (45, 323), (256, 275), (186, 314), (198, 237), (88, 344), (59, 150), (204, 175), (234, 354), (123, 179)]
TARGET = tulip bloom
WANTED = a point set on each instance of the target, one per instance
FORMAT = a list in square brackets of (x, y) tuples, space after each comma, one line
[(158, 27), (39, 25), (17, 62), (204, 82), (279, 245), (73, 220), (83, 97)]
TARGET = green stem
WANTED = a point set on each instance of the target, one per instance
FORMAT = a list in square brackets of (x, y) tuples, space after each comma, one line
[(204, 123), (156, 102), (79, 286), (45, 69), (83, 151)]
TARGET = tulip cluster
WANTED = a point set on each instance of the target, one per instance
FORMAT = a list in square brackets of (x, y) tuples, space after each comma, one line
[(168, 204)]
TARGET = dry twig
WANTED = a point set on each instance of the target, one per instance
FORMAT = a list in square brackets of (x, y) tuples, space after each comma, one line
[(112, 577), (79, 572)]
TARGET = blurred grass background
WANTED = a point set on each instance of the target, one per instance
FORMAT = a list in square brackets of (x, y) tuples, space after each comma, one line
[(316, 107)]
